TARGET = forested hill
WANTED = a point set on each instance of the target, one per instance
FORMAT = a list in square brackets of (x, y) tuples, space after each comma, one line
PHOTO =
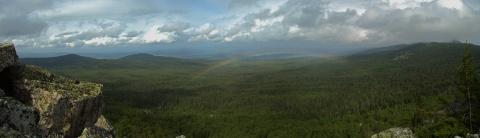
[(131, 61), (426, 50), (65, 60), (428, 55)]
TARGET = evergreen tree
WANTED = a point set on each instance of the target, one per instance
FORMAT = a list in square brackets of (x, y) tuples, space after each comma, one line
[(468, 83)]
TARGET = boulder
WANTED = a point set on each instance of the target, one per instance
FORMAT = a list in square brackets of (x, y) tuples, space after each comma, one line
[(181, 136), (395, 133), (8, 55), (101, 129)]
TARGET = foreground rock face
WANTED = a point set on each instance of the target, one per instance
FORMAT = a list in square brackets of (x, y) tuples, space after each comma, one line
[(36, 103), (395, 133)]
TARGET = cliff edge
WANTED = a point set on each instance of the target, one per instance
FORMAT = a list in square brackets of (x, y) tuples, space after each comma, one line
[(37, 103)]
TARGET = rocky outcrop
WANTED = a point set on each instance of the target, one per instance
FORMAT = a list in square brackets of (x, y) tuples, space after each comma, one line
[(37, 103), (8, 55), (101, 129), (395, 133)]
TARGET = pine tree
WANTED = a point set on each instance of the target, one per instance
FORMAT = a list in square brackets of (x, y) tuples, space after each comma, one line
[(468, 82)]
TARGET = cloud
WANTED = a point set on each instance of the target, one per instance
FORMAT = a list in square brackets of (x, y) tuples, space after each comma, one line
[(17, 19), (106, 33), (174, 26), (90, 23), (238, 4), (155, 36), (123, 10), (24, 6), (473, 4), (132, 34), (429, 22), (381, 22), (20, 25)]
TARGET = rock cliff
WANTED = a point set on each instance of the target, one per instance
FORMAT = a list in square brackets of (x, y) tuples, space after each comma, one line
[(37, 103)]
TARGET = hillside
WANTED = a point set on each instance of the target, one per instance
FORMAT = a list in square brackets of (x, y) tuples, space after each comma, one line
[(351, 96)]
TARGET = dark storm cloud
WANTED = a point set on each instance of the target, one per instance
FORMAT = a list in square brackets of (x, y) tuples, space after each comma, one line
[(20, 25), (17, 19)]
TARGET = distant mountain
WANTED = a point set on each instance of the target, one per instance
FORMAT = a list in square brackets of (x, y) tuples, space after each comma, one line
[(74, 57), (64, 60), (131, 61), (383, 49), (420, 53), (138, 56)]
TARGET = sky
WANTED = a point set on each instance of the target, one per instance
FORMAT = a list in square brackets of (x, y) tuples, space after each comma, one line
[(126, 25)]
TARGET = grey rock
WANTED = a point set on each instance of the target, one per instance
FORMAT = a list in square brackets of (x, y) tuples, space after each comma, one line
[(37, 103), (17, 115), (8, 55), (473, 136), (101, 129), (66, 106), (181, 136), (395, 133)]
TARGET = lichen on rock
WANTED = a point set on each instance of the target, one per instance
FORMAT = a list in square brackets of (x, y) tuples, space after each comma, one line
[(38, 103)]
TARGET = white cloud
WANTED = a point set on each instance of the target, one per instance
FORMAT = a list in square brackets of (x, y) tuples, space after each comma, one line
[(453, 4), (403, 4), (260, 25), (155, 36), (293, 29)]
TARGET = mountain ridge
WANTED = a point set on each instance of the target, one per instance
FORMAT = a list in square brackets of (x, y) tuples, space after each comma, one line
[(137, 56)]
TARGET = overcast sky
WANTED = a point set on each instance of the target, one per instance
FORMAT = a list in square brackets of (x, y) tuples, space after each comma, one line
[(91, 24)]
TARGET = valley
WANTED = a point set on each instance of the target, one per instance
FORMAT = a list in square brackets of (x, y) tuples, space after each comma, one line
[(271, 95)]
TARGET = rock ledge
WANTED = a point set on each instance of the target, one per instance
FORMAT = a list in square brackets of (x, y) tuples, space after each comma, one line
[(37, 103)]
